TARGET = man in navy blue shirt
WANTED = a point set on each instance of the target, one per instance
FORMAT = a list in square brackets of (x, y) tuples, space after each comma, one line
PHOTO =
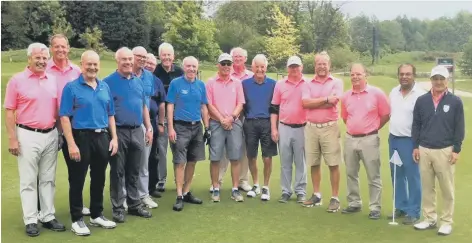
[(187, 105), (130, 113), (90, 140), (258, 92)]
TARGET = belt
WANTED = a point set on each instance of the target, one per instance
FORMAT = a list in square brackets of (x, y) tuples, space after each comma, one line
[(36, 129), (186, 122), (257, 118), (99, 130), (128, 127), (294, 125), (363, 135), (321, 125), (395, 136)]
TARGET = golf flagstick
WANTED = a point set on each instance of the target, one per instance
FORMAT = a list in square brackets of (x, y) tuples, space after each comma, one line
[(396, 161)]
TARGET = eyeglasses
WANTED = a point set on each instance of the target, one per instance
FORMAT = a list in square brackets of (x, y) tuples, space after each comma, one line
[(226, 63)]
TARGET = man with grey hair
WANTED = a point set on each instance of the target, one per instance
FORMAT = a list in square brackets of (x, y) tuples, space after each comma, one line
[(258, 92), (33, 139), (151, 62), (131, 113), (166, 71)]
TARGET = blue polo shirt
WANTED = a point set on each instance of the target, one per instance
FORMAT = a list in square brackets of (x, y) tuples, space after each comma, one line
[(148, 83), (258, 97), (187, 98), (129, 99), (158, 97), (89, 107)]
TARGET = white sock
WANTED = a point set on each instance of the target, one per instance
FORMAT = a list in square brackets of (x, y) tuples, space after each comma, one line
[(256, 185), (317, 194), (216, 189), (335, 198), (235, 189), (185, 194), (266, 187)]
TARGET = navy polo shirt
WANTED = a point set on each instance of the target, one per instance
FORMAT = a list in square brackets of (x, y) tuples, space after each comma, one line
[(187, 98), (148, 84), (129, 99), (89, 107), (258, 97), (158, 97)]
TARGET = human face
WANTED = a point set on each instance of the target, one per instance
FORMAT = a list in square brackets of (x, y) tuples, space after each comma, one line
[(38, 60), (125, 62), (238, 58), (151, 64), (167, 57), (294, 70), (322, 66), (190, 69), (59, 48), (406, 77), (259, 69), (90, 65), (224, 68), (140, 57), (358, 77), (439, 83)]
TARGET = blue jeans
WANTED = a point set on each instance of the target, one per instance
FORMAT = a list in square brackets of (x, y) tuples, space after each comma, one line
[(408, 181)]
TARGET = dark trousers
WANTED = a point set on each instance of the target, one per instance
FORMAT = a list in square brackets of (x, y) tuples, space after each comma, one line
[(94, 152), (153, 163), (124, 169)]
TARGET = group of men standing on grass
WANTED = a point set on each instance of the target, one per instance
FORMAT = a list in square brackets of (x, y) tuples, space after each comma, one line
[(123, 120)]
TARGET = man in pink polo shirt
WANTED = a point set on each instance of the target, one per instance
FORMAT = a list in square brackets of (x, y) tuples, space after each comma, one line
[(225, 103), (288, 120), (364, 110), (31, 111), (322, 137)]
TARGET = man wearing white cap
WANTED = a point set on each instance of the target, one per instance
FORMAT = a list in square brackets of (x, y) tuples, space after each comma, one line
[(289, 119), (437, 132)]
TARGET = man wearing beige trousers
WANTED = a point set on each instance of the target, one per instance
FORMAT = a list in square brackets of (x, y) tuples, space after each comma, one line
[(437, 132)]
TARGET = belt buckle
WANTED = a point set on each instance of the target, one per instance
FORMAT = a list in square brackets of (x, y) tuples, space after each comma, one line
[(98, 130), (193, 123)]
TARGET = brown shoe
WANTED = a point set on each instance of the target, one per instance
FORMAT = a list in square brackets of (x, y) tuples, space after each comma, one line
[(333, 206), (313, 201)]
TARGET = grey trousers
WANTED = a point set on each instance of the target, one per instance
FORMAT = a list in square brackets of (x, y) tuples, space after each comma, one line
[(124, 169), (292, 150), (163, 143), (143, 185)]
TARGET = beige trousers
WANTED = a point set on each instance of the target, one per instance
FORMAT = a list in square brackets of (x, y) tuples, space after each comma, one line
[(38, 158), (434, 163)]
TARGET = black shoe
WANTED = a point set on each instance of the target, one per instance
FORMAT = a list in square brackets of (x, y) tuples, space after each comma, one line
[(374, 215), (189, 198), (140, 211), (398, 214), (32, 230), (350, 209), (155, 194), (54, 225), (119, 217), (410, 220), (179, 204), (284, 198), (161, 187)]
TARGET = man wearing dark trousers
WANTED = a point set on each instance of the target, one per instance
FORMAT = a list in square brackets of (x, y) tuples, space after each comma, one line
[(131, 111), (91, 139)]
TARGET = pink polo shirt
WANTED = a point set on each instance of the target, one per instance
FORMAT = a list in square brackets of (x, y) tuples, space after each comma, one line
[(34, 98), (362, 111), (316, 89), (70, 73), (289, 96), (242, 76), (224, 95)]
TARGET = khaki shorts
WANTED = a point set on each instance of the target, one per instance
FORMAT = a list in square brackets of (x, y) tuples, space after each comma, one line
[(324, 141)]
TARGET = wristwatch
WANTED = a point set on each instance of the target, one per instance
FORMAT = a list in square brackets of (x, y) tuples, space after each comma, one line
[(149, 130)]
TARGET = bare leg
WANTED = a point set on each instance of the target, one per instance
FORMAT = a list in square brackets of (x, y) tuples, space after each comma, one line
[(189, 171), (267, 170), (179, 177), (335, 178), (253, 169), (235, 171)]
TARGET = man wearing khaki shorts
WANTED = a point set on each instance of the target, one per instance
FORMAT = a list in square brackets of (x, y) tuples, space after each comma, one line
[(322, 137)]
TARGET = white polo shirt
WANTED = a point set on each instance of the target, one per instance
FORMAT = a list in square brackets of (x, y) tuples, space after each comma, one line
[(401, 116)]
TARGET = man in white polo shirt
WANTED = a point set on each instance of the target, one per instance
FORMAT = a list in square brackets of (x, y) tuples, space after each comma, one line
[(408, 182)]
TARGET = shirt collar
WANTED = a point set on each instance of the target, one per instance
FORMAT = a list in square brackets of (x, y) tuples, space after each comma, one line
[(218, 79), (316, 79), (263, 82), (123, 77), (52, 64), (299, 82), (30, 73), (367, 89), (82, 80)]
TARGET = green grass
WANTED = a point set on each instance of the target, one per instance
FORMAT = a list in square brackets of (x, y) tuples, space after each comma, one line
[(227, 221), (464, 85)]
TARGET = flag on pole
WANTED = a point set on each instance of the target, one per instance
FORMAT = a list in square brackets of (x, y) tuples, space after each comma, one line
[(396, 159)]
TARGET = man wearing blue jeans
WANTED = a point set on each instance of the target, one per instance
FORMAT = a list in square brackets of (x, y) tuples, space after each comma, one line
[(408, 183)]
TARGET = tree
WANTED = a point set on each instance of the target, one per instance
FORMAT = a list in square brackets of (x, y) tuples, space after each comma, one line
[(61, 26), (391, 36), (281, 42), (360, 30), (465, 64), (14, 28), (92, 39)]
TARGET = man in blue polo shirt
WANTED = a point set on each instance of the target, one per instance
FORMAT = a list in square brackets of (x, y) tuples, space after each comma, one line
[(151, 84), (187, 105), (258, 92), (130, 112), (90, 140)]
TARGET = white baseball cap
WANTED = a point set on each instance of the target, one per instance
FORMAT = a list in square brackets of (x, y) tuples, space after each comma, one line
[(440, 70), (294, 60), (225, 57)]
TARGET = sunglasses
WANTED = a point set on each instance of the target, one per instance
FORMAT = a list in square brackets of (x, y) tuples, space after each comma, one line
[(226, 63)]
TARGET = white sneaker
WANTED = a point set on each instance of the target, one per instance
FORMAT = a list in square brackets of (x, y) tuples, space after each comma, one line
[(149, 202), (445, 229), (79, 228), (256, 190), (103, 222), (265, 196), (85, 211), (245, 187), (211, 189), (425, 225)]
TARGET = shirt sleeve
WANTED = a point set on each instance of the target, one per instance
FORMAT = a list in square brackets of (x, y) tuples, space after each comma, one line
[(306, 91), (204, 94), (383, 104), (11, 95), (159, 90), (67, 101), (111, 103), (209, 92), (240, 95), (459, 127), (338, 88), (171, 94), (343, 107), (276, 96), (416, 125)]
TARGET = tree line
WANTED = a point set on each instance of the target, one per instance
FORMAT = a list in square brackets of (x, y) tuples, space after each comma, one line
[(277, 29)]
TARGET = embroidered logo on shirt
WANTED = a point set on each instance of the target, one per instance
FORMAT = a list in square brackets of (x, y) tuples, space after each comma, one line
[(446, 108), (184, 91)]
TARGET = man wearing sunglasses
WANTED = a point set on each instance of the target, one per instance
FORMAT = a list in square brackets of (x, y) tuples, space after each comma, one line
[(225, 103)]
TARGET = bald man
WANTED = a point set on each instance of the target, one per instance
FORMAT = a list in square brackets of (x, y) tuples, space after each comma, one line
[(91, 139)]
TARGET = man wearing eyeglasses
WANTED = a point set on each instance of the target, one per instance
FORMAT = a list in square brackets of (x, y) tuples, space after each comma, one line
[(225, 103)]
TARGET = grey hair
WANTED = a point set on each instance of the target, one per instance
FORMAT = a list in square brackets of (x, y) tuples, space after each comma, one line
[(37, 45), (122, 49), (151, 56), (260, 57), (138, 48), (89, 53), (244, 52), (323, 54), (166, 45), (188, 59)]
